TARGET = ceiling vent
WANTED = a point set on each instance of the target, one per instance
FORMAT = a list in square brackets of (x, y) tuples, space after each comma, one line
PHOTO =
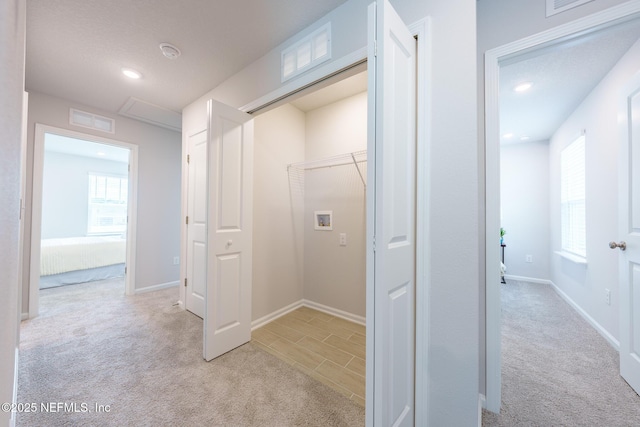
[(557, 6), (146, 112), (306, 53), (91, 121)]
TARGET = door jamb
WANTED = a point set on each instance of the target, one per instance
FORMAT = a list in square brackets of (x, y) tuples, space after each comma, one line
[(493, 58), (36, 210)]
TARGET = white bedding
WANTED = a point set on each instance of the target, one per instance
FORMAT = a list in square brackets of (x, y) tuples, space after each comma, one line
[(80, 253)]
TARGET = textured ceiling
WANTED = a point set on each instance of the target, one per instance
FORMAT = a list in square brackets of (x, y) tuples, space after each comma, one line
[(76, 48), (563, 75)]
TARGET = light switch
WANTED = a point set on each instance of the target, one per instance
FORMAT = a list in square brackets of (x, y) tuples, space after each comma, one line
[(343, 239)]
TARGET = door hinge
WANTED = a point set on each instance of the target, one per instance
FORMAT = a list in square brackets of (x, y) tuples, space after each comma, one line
[(187, 220), (188, 158), (185, 282), (129, 168), (375, 48), (374, 243), (125, 270)]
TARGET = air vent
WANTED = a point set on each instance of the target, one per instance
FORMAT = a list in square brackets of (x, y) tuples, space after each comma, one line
[(91, 121), (306, 53), (557, 6)]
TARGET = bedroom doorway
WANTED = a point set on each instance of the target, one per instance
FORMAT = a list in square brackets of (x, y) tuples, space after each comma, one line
[(497, 60), (83, 223)]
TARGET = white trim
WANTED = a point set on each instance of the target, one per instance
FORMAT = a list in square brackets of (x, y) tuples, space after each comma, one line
[(334, 312), (308, 79), (527, 279), (422, 30), (16, 365), (24, 316), (572, 257), (158, 287), (255, 324), (493, 58), (482, 399), (597, 326), (36, 208)]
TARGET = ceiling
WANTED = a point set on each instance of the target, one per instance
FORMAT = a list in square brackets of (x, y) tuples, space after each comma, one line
[(562, 75), (77, 48)]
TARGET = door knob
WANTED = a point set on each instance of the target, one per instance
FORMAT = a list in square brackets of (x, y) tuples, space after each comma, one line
[(621, 245), (229, 242)]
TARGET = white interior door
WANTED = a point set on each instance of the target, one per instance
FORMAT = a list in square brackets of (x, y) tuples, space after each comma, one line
[(392, 148), (629, 226), (227, 321), (196, 257)]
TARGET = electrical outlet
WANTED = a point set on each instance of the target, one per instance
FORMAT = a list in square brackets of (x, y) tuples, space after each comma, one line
[(176, 260), (607, 296), (529, 258), (343, 239)]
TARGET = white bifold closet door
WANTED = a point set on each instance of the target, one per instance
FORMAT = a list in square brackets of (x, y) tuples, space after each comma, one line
[(227, 317), (391, 229)]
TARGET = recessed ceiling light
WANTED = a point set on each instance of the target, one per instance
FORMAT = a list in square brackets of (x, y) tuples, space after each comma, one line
[(522, 87), (170, 51), (132, 74), (507, 135), (524, 138), (101, 153)]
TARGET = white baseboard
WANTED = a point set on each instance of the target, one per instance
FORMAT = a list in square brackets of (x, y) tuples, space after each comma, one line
[(12, 420), (527, 279), (24, 316), (306, 303), (273, 316), (155, 287), (602, 331), (335, 312), (482, 404)]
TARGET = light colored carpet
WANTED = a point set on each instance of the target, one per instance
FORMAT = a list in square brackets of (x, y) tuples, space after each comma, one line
[(556, 369), (142, 357)]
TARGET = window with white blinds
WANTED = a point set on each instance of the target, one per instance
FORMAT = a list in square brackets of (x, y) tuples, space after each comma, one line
[(107, 204), (572, 198)]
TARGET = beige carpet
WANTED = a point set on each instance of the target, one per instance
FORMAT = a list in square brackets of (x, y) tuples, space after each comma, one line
[(556, 369), (140, 357)]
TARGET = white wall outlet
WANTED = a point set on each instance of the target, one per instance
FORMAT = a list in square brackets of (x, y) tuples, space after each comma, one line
[(529, 258), (343, 239), (607, 296), (176, 260)]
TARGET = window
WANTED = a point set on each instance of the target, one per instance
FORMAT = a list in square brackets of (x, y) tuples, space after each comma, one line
[(306, 53), (572, 198), (107, 204)]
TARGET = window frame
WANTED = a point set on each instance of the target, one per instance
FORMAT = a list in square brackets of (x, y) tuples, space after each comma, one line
[(121, 201), (573, 203)]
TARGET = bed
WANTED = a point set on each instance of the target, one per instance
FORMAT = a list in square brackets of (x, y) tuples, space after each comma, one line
[(81, 259)]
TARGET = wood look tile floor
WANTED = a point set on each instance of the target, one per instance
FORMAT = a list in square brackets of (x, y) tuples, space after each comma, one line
[(325, 347)]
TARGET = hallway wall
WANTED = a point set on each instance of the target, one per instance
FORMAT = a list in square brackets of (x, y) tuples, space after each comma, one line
[(598, 116)]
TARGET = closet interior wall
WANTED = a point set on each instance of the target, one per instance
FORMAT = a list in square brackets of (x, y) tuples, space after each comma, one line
[(292, 260)]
